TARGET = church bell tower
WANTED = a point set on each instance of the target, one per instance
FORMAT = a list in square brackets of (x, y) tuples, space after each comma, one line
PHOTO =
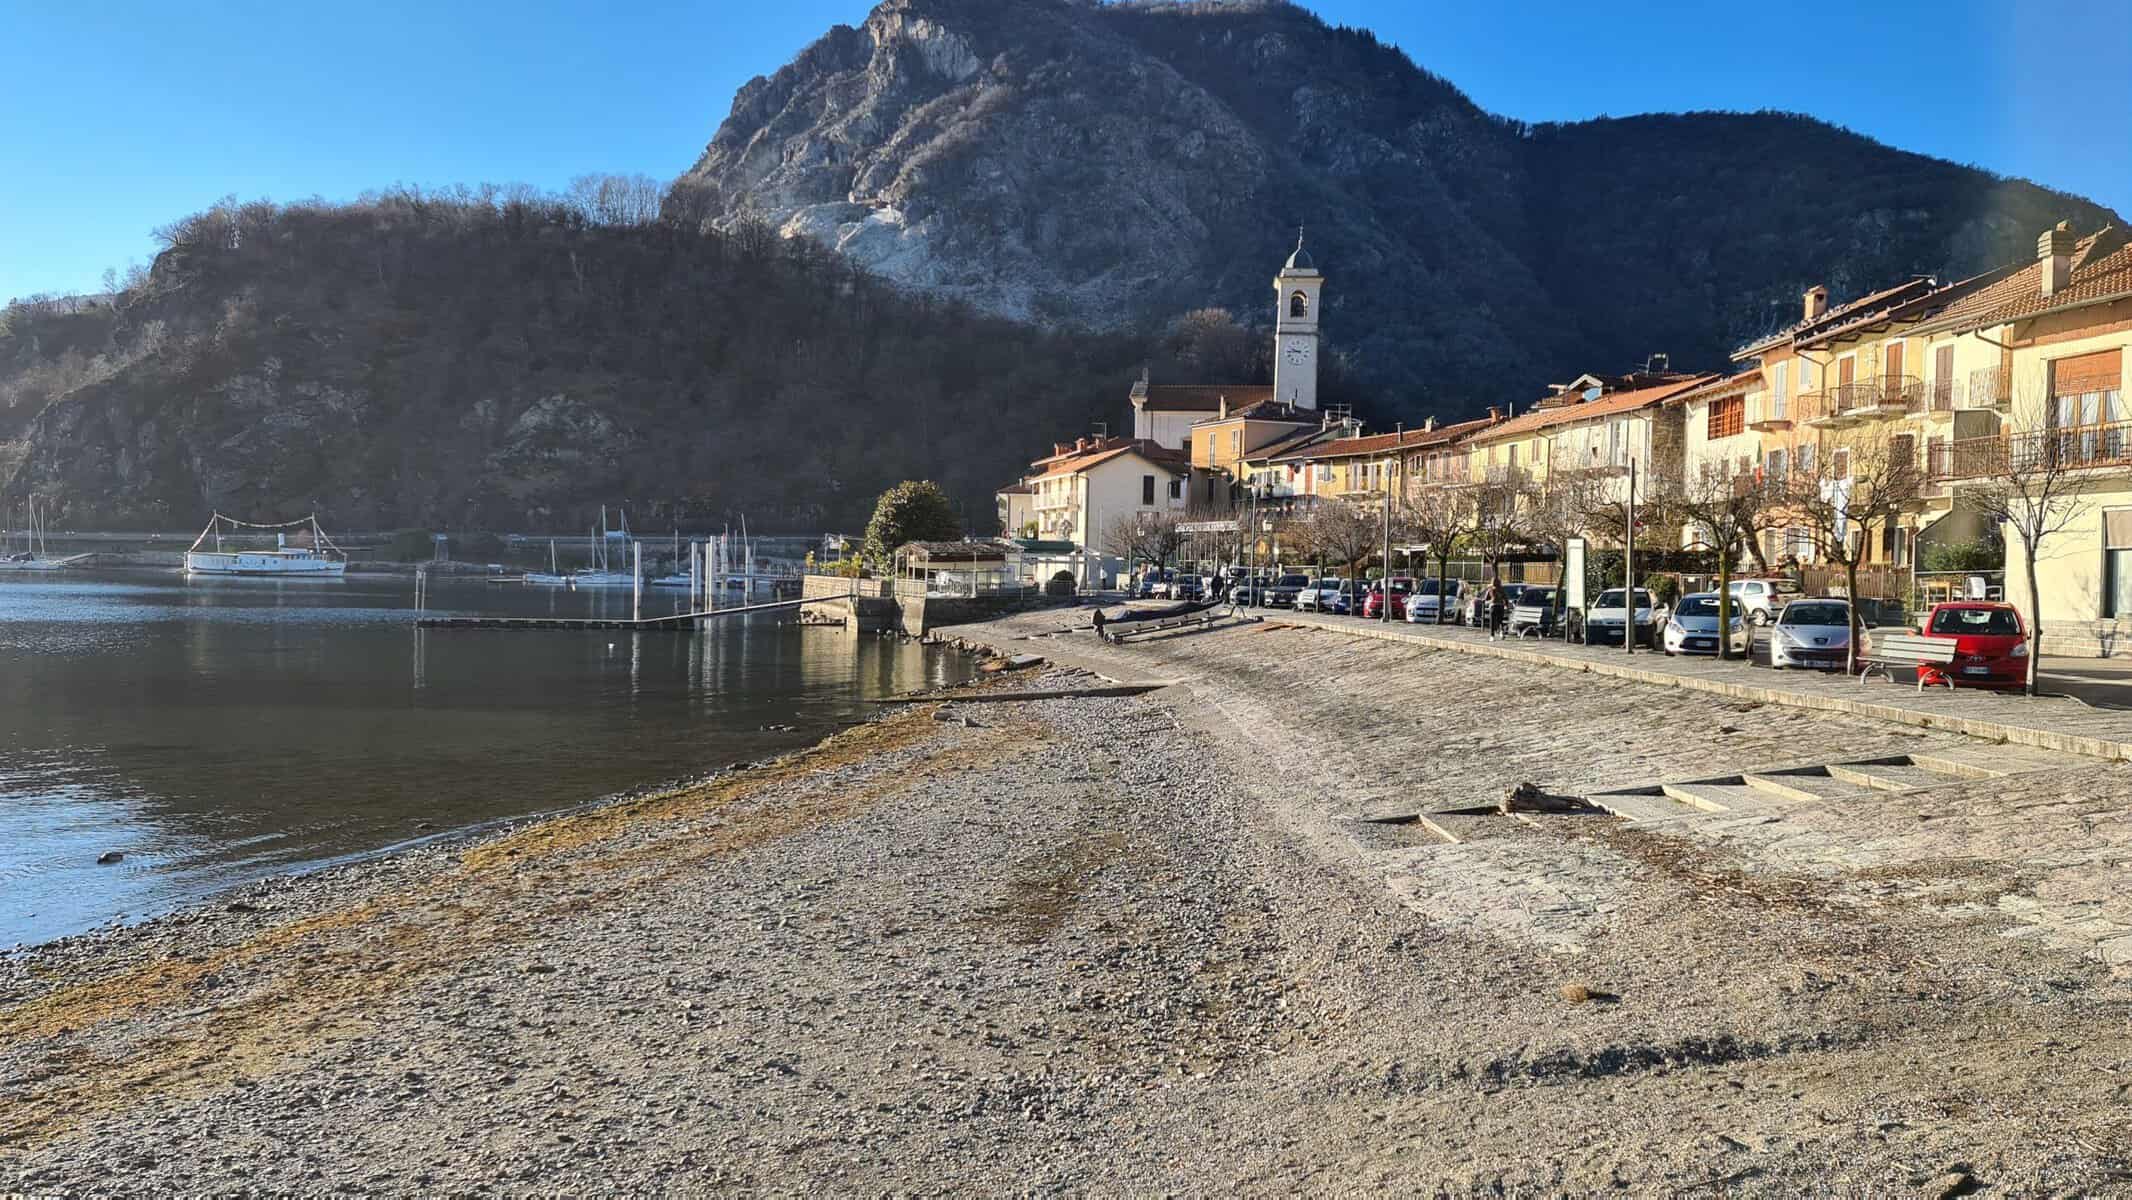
[(1297, 291)]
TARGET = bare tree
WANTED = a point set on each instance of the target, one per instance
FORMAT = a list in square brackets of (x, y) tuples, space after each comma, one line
[(1845, 497), (1502, 521), (1152, 538), (1724, 510), (1342, 532), (1438, 518), (2035, 489)]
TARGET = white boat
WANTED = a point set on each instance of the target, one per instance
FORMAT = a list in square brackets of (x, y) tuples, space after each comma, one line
[(320, 559), (601, 574), (34, 555), (552, 577)]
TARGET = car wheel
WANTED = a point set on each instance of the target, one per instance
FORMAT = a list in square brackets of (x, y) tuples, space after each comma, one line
[(1756, 616)]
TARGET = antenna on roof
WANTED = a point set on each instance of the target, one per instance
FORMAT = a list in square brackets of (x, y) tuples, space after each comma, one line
[(1658, 362)]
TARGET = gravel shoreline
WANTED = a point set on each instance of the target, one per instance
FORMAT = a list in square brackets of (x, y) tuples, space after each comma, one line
[(1109, 944)]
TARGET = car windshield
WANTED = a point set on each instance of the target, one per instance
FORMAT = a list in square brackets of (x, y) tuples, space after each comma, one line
[(1815, 613), (1428, 587), (1536, 597), (1611, 598), (1293, 581), (1697, 606), (1991, 622)]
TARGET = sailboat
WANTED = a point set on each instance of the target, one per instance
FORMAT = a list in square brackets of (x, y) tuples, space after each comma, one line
[(602, 574), (320, 559), (553, 577), (676, 578), (34, 555)]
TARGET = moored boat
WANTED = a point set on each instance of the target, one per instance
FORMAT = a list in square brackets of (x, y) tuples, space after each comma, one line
[(319, 559)]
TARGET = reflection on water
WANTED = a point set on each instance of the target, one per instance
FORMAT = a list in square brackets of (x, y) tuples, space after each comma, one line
[(216, 731)]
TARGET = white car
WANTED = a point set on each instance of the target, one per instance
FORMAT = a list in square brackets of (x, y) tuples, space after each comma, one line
[(1762, 599), (1811, 633), (1320, 595), (1424, 602), (1692, 629), (1606, 624)]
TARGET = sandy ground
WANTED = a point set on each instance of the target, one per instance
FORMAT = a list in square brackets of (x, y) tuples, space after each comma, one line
[(1135, 944)]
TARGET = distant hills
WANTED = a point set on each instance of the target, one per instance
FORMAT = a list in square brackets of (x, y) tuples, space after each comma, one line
[(993, 211)]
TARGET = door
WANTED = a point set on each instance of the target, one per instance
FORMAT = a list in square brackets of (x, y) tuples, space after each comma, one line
[(1891, 374)]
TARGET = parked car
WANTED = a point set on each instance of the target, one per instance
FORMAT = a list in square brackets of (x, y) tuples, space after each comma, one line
[(1320, 595), (1246, 590), (1607, 624), (1990, 643), (1424, 604), (1470, 611), (1760, 600), (1347, 601), (1811, 633), (1692, 627), (1373, 603), (1284, 590), (1187, 587), (1537, 612)]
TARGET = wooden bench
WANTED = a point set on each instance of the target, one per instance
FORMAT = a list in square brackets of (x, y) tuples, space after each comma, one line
[(1891, 650), (1115, 632)]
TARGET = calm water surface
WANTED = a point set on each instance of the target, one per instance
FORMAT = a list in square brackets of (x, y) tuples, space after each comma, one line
[(217, 731)]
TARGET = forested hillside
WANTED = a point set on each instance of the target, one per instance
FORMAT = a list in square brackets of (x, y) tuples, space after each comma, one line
[(506, 360)]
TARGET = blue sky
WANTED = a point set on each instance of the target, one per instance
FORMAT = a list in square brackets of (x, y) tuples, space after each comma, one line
[(117, 116)]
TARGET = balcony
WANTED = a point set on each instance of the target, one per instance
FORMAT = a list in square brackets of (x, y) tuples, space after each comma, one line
[(1967, 458), (1767, 414), (1985, 388), (1823, 410), (1882, 398)]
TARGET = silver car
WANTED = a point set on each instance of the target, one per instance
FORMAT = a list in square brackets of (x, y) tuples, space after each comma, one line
[(1811, 633), (1423, 603)]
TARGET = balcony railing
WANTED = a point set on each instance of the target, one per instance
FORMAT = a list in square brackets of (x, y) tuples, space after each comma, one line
[(1985, 388), (1843, 404), (2075, 449)]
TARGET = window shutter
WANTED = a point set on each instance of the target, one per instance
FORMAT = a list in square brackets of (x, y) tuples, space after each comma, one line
[(2117, 529), (2080, 373)]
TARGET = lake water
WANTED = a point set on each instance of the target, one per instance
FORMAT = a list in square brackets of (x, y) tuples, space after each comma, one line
[(219, 731)]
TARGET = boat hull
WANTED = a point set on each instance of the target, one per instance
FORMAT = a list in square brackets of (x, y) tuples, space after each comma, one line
[(278, 566)]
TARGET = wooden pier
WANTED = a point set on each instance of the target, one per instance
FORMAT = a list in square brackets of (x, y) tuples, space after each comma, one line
[(677, 623)]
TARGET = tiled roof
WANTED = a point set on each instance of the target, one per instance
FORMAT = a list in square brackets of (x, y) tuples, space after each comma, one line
[(1073, 464), (2102, 270), (1383, 443), (1199, 397), (1843, 314), (1604, 406), (1015, 489), (1720, 386), (1280, 446), (1268, 409)]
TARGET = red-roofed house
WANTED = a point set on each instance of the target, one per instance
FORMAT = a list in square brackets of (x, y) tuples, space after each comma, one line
[(1081, 487)]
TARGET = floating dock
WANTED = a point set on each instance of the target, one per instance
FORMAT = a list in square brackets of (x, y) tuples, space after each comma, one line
[(677, 623)]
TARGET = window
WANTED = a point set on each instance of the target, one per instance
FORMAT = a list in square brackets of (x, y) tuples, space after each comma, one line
[(1902, 452), (1298, 305), (1236, 443), (1943, 378), (1776, 466), (1728, 417), (1176, 488), (1779, 389), (1839, 463), (1147, 490), (2117, 562)]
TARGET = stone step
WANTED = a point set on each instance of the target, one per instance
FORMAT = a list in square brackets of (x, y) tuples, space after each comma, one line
[(1642, 807), (1986, 762), (1890, 777), (1722, 797), (1807, 787)]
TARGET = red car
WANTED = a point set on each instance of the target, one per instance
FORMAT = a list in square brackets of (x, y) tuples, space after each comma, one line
[(1990, 644), (1373, 603)]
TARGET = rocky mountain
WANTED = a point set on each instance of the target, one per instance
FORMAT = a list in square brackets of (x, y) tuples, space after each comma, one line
[(1113, 164)]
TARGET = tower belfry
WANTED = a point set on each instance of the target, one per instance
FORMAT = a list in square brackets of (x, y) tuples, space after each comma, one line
[(1297, 290)]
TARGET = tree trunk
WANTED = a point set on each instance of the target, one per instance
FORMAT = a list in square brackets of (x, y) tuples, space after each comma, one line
[(1724, 609), (1850, 586), (1443, 579), (2035, 623)]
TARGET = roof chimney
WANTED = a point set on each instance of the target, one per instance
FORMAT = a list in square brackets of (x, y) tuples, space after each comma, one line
[(1495, 412), (1224, 413), (1080, 444), (1429, 426), (2055, 251), (1816, 302)]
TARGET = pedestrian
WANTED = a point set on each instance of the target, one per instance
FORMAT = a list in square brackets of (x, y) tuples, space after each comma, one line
[(1099, 622)]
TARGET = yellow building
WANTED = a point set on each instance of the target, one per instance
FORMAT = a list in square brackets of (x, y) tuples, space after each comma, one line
[(2048, 346)]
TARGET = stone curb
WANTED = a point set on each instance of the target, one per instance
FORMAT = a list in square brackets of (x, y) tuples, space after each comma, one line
[(2018, 734)]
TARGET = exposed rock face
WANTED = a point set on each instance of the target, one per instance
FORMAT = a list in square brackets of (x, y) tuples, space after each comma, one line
[(1117, 164)]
